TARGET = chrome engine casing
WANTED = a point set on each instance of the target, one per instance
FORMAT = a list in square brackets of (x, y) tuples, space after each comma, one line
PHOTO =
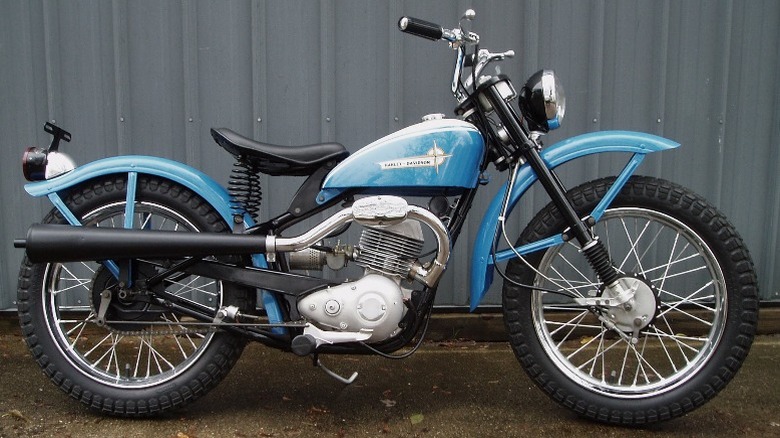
[(370, 308), (373, 304)]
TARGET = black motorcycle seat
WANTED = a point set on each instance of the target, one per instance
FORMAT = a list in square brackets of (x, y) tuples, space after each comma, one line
[(279, 160)]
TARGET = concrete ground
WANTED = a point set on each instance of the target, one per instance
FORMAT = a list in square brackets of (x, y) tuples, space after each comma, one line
[(448, 388)]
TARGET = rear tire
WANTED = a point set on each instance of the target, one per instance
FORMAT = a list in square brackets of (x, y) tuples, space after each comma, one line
[(703, 319), (132, 368)]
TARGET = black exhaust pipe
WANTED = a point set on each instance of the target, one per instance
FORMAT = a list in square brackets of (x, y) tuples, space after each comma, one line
[(65, 243)]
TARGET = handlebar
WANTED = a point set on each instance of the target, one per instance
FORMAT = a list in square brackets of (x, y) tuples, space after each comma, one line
[(458, 39), (421, 28)]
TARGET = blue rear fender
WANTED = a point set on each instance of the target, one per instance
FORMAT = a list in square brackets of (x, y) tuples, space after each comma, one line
[(134, 165), (189, 177), (637, 143)]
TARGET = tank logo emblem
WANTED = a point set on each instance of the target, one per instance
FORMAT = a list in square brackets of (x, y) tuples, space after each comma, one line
[(435, 157)]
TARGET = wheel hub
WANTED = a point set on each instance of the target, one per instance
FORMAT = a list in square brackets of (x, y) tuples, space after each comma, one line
[(638, 303), (124, 305)]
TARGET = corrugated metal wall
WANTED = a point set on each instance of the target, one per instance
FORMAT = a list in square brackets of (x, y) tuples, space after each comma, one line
[(151, 77)]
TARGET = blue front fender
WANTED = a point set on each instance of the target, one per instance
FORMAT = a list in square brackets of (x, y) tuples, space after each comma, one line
[(134, 165), (637, 143)]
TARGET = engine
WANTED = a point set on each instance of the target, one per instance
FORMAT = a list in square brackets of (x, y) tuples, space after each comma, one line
[(390, 250), (372, 306)]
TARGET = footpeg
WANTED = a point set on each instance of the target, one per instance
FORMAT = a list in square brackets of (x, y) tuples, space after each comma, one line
[(303, 345)]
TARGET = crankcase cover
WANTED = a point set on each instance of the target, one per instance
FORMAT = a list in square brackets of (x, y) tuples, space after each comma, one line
[(372, 303)]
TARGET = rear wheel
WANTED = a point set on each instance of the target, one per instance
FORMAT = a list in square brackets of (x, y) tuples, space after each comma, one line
[(665, 352), (144, 360)]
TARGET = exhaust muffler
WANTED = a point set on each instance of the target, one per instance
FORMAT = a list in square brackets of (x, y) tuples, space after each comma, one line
[(65, 243)]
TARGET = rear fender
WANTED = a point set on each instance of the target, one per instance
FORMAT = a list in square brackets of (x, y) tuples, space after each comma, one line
[(134, 165), (637, 143)]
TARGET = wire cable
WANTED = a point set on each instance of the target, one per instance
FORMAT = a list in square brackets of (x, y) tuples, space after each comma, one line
[(408, 353), (502, 229)]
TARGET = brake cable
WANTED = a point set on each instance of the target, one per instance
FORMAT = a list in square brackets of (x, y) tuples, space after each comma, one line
[(502, 229)]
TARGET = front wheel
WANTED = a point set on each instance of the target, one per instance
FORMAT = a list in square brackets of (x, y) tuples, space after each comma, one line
[(662, 354)]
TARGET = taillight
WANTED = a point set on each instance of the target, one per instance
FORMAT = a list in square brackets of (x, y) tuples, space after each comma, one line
[(34, 164), (41, 164)]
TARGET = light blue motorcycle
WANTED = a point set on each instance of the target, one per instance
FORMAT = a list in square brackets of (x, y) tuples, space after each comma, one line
[(627, 299)]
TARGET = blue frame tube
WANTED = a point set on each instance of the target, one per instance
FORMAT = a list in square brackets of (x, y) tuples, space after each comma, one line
[(132, 183), (637, 143)]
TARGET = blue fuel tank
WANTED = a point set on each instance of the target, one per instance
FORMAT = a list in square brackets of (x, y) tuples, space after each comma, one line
[(428, 158)]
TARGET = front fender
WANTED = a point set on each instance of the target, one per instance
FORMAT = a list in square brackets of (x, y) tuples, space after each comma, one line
[(637, 143), (187, 176)]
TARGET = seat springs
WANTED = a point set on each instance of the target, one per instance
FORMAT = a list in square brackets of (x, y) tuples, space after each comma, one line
[(244, 188)]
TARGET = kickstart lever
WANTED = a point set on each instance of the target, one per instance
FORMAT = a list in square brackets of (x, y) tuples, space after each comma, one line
[(344, 380)]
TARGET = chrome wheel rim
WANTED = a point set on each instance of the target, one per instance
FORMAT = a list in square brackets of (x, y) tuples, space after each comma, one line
[(687, 327), (150, 355)]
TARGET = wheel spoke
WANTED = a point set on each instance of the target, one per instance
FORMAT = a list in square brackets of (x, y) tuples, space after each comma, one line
[(689, 300), (660, 337), (651, 244), (573, 323), (685, 300), (601, 353), (188, 287), (583, 346), (584, 277), (81, 326), (668, 265), (633, 243)]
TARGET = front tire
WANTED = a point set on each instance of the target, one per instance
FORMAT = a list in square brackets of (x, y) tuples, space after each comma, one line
[(700, 281), (146, 361)]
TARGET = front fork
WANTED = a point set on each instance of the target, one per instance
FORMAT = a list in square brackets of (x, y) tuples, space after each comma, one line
[(579, 229), (592, 248)]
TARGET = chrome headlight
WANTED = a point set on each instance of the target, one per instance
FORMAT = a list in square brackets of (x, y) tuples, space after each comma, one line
[(542, 101)]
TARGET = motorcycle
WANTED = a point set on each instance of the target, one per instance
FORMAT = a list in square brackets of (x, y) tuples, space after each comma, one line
[(627, 299)]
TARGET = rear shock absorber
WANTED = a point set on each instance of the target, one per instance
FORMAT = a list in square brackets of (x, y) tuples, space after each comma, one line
[(244, 188)]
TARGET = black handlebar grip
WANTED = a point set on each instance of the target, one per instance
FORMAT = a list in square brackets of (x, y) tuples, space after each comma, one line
[(420, 28)]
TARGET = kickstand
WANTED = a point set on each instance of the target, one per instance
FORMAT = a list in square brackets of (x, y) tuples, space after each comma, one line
[(316, 359)]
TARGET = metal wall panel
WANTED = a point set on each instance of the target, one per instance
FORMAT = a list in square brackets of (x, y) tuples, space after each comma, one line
[(151, 77)]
